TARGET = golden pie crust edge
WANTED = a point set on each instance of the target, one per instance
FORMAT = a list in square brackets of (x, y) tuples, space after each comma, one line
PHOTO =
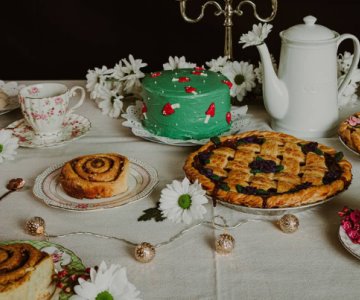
[(350, 137), (79, 187), (303, 197)]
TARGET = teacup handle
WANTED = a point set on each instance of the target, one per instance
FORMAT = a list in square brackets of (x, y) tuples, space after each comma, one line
[(72, 93), (354, 63)]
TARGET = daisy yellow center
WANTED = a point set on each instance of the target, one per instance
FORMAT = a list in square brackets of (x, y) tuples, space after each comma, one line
[(105, 295), (1, 148), (239, 79), (184, 201)]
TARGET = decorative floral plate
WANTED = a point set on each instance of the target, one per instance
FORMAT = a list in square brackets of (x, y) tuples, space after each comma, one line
[(353, 248), (141, 181), (133, 120), (75, 126), (61, 256)]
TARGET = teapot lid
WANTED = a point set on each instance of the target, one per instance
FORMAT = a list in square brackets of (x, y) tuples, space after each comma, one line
[(308, 31)]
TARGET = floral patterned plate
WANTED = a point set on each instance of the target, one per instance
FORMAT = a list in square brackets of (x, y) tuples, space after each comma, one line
[(61, 256), (75, 126), (353, 248), (133, 120), (141, 181)]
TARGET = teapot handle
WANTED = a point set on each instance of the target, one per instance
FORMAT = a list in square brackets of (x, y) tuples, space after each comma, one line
[(342, 85)]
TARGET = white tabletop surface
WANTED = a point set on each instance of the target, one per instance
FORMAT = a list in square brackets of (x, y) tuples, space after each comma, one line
[(265, 264)]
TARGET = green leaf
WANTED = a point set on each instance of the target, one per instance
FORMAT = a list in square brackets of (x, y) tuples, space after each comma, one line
[(240, 142), (215, 140), (1, 148), (258, 158), (224, 187), (318, 151), (338, 156), (152, 213), (215, 177), (261, 192), (279, 168), (255, 171), (239, 188)]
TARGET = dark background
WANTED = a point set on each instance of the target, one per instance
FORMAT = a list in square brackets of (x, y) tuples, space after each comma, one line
[(47, 39)]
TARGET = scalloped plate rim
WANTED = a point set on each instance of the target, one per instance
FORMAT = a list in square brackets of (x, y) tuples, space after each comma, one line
[(38, 189), (175, 142), (87, 126)]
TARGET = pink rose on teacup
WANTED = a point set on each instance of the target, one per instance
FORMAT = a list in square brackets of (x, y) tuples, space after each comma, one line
[(34, 90), (353, 121), (58, 100)]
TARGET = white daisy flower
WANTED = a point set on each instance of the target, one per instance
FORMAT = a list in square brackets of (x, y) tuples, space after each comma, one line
[(217, 65), (182, 201), (259, 70), (344, 62), (132, 74), (110, 102), (257, 36), (10, 88), (95, 78), (106, 283), (8, 145), (241, 74), (178, 63), (349, 94)]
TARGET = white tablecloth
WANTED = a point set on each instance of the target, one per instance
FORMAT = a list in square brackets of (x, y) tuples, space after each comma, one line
[(265, 264)]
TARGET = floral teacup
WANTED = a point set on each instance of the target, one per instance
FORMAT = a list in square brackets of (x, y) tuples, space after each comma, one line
[(45, 107)]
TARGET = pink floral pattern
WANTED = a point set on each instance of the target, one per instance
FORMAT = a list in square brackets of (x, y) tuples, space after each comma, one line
[(353, 121), (73, 127), (350, 222)]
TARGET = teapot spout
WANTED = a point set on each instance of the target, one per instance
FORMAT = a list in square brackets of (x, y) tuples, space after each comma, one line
[(275, 93)]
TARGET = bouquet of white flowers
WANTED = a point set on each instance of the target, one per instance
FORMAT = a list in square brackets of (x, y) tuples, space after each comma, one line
[(108, 87)]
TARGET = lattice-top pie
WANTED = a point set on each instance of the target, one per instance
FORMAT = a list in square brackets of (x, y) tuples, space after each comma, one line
[(349, 132), (268, 170)]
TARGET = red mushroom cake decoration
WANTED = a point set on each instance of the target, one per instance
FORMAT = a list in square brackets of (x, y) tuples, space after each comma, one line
[(210, 113), (169, 109)]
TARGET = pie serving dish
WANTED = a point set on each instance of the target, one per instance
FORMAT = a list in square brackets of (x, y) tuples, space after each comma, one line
[(261, 171)]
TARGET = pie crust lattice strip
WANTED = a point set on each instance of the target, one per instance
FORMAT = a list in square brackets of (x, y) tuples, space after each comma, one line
[(265, 169), (349, 132)]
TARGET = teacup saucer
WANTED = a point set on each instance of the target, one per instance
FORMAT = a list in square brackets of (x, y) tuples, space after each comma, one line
[(75, 126)]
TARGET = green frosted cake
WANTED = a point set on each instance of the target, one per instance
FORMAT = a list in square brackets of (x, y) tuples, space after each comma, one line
[(186, 103)]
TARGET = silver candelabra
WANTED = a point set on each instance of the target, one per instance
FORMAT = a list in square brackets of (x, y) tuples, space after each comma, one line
[(228, 11)]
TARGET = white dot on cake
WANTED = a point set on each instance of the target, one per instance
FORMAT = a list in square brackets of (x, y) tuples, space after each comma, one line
[(174, 85), (176, 124)]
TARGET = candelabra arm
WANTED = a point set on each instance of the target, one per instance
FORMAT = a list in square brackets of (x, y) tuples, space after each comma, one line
[(203, 7), (239, 12)]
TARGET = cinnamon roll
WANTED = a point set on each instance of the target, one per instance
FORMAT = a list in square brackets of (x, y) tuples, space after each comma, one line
[(25, 273), (95, 176)]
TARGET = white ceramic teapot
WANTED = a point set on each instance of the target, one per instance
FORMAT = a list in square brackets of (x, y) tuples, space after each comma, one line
[(303, 98)]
